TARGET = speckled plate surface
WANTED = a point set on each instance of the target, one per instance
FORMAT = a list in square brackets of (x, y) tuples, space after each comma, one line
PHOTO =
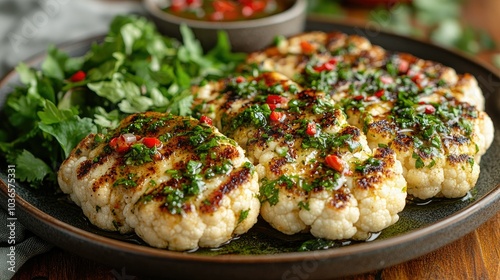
[(264, 253)]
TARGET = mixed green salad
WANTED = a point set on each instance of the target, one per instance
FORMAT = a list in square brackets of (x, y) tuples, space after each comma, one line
[(134, 69)]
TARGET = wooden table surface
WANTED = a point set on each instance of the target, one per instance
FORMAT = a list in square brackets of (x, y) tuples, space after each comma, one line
[(475, 256)]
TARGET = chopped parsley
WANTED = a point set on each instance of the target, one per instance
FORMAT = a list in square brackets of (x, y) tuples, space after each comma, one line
[(127, 182)]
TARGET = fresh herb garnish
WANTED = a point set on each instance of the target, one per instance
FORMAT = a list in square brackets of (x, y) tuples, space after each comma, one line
[(134, 69)]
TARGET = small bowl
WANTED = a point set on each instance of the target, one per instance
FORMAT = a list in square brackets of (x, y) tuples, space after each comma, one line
[(245, 35)]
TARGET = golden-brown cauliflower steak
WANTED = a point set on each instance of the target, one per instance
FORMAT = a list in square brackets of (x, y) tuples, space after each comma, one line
[(176, 182), (316, 171), (430, 116)]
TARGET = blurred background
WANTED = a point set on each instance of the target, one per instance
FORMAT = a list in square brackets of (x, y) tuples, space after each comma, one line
[(470, 26), (28, 26)]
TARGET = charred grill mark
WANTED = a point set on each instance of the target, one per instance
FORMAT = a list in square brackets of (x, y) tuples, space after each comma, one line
[(107, 178), (276, 164), (225, 152), (455, 140), (402, 142), (329, 118), (381, 153), (369, 181), (235, 180), (383, 127), (310, 95), (84, 169), (340, 199), (351, 130), (459, 159), (229, 103)]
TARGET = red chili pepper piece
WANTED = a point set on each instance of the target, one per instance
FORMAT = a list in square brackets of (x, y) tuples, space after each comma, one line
[(327, 66), (429, 109), (276, 99), (311, 129), (205, 119), (335, 162), (78, 76), (151, 142), (380, 93), (277, 116), (240, 79), (118, 144), (306, 47)]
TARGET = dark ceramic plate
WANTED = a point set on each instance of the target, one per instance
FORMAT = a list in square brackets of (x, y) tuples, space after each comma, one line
[(264, 253)]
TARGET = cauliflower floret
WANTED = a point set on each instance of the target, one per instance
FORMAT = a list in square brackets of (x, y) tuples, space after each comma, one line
[(312, 164), (176, 182)]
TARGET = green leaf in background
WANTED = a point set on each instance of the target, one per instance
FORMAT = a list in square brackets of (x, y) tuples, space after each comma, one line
[(106, 119), (130, 33), (69, 132), (26, 74), (447, 33), (30, 168), (51, 114), (112, 90), (54, 63)]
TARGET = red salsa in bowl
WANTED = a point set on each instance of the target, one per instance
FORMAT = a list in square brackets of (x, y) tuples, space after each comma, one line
[(224, 10)]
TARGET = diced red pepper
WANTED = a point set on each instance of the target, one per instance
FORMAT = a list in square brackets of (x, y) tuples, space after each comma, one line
[(78, 76), (335, 162), (151, 142), (306, 47), (311, 129), (403, 66), (359, 97), (429, 109), (276, 99), (118, 144), (417, 77), (240, 79), (379, 93), (277, 116), (205, 119), (327, 66)]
